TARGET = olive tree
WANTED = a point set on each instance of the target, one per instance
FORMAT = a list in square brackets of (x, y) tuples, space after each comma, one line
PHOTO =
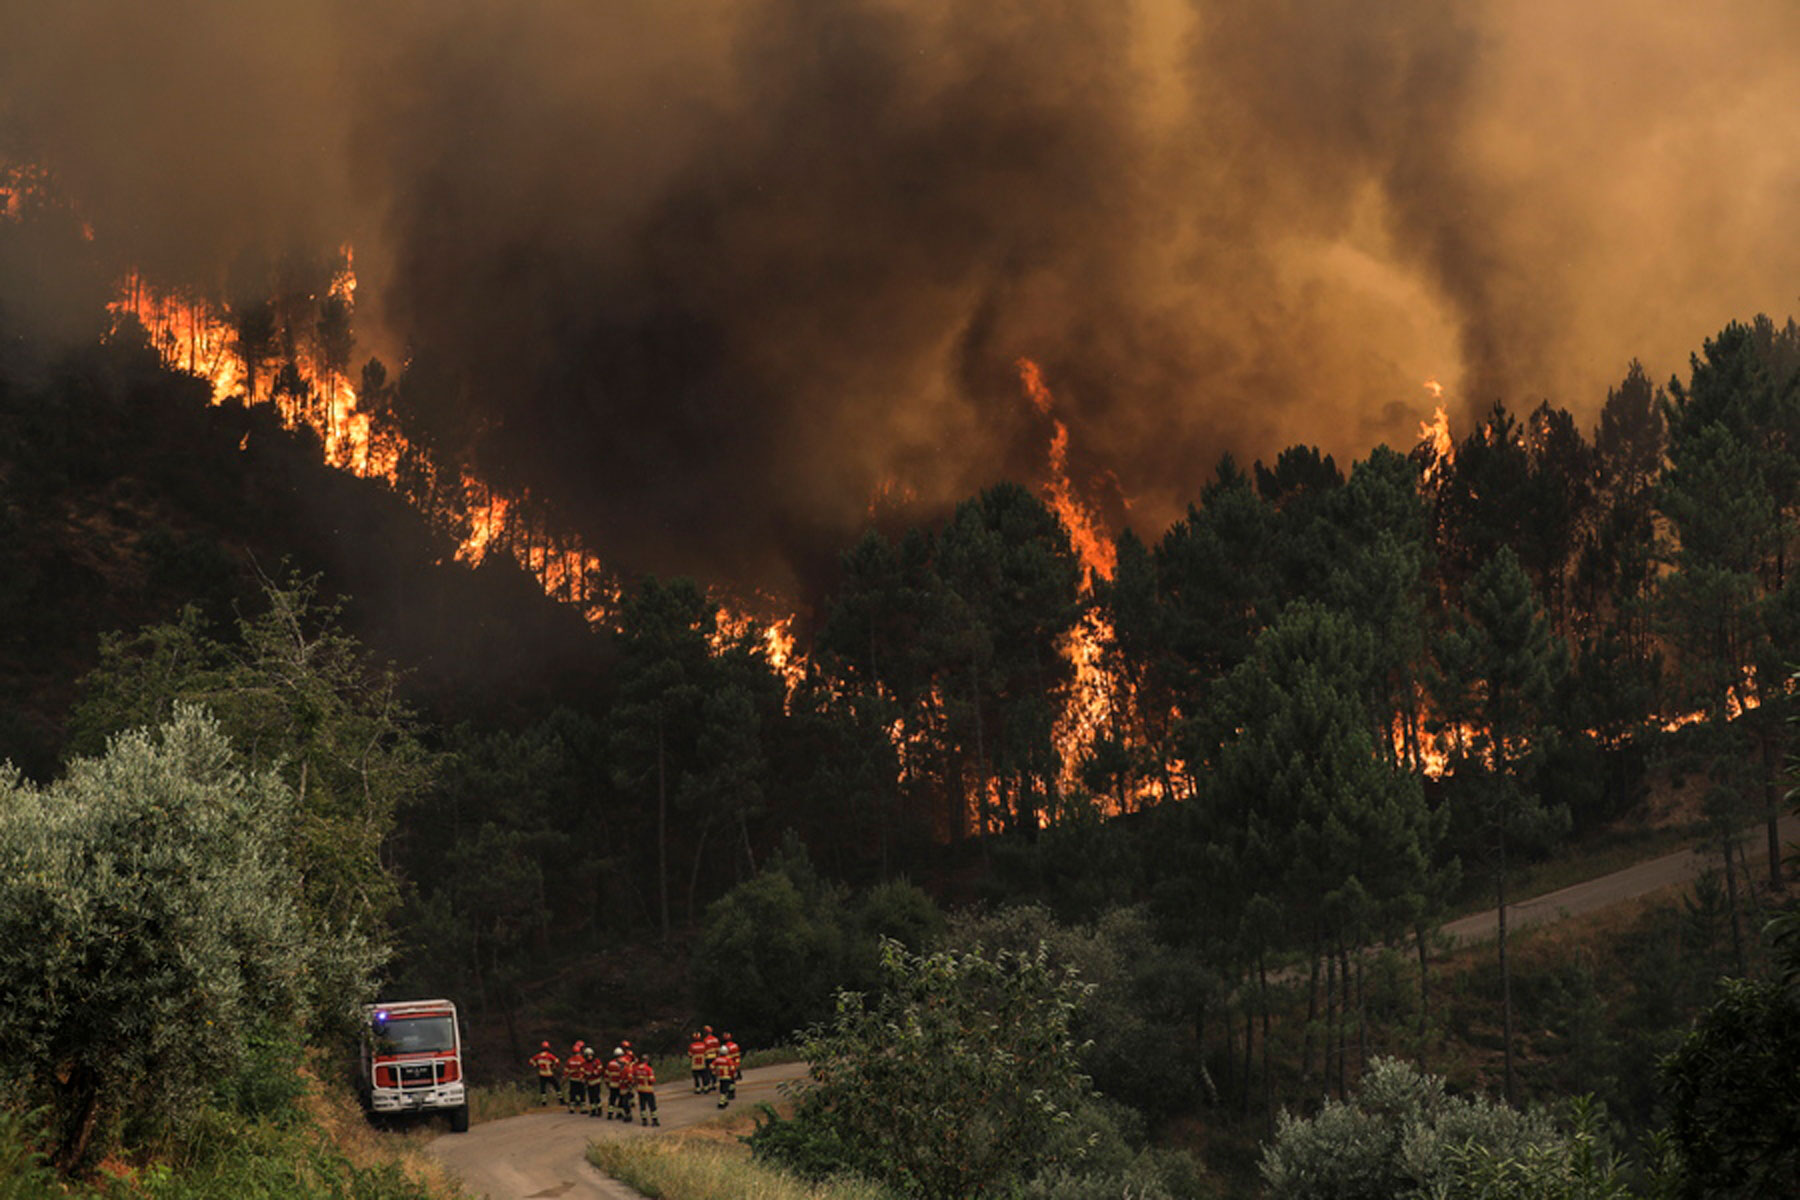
[(1403, 1136), (957, 1080), (150, 922)]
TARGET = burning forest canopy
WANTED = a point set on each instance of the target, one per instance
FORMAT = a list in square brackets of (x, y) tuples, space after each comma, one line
[(705, 277)]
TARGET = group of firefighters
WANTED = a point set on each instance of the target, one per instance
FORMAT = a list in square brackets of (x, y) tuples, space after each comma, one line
[(587, 1083)]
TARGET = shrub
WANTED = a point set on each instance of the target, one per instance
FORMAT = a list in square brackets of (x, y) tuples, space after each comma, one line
[(1400, 1137), (951, 1083), (149, 927)]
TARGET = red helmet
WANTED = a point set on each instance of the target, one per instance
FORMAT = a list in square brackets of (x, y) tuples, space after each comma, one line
[(626, 1044), (546, 1045), (579, 1043), (709, 1029)]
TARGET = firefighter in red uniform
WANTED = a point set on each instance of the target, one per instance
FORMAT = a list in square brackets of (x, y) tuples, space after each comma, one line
[(712, 1051), (575, 1079), (697, 1061), (546, 1062), (627, 1078), (590, 1071), (725, 1071), (643, 1075), (613, 1066)]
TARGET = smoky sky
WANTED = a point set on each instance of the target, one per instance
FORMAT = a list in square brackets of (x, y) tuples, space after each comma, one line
[(707, 275)]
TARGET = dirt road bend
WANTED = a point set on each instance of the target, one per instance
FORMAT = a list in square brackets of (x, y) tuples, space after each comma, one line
[(543, 1154), (1616, 888)]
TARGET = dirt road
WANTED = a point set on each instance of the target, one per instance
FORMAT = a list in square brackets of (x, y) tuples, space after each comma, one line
[(1620, 886), (544, 1154)]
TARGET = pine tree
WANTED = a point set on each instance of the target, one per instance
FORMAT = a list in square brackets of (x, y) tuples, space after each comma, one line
[(1496, 675)]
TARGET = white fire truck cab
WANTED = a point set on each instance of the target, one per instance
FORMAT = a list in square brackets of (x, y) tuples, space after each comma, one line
[(412, 1060)]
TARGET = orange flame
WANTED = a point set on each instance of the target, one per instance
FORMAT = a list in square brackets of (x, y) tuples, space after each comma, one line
[(199, 338), (1092, 545), (1434, 435)]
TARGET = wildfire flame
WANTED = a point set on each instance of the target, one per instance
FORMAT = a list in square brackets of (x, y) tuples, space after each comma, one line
[(1092, 545), (1096, 693), (1434, 435), (313, 389)]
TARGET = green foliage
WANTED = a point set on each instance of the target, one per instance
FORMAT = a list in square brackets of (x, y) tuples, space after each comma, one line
[(295, 695), (1733, 1094), (249, 1160), (1132, 1023), (24, 1173), (776, 948), (149, 925), (772, 951), (955, 1081), (1404, 1137)]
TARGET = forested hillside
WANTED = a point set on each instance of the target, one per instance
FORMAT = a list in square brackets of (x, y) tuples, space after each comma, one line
[(1328, 705)]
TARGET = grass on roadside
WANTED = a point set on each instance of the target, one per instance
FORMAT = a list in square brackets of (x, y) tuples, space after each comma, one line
[(494, 1102), (708, 1162)]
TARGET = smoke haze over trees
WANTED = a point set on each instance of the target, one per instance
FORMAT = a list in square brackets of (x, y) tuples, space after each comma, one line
[(706, 275)]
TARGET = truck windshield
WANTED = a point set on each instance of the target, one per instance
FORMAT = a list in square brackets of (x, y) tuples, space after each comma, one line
[(414, 1035)]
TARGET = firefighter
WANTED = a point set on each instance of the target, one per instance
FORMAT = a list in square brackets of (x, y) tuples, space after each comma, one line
[(725, 1071), (711, 1044), (590, 1071), (627, 1081), (644, 1076), (546, 1062), (697, 1061), (575, 1078), (613, 1082)]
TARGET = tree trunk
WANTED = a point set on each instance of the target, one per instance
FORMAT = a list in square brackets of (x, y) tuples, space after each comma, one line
[(75, 1146), (1505, 972), (1772, 806), (1312, 1017), (1249, 1060), (662, 830), (1344, 1013), (694, 875), (1731, 899), (1262, 978), (1424, 988), (1330, 1013)]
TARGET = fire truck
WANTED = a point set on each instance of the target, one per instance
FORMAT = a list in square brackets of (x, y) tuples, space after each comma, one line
[(412, 1060)]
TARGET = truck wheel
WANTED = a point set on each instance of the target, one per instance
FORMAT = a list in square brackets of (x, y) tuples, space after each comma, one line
[(459, 1119)]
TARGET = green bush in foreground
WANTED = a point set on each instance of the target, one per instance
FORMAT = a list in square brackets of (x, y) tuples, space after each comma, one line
[(1404, 1137), (1733, 1091), (958, 1080), (230, 1159), (24, 1175), (149, 930)]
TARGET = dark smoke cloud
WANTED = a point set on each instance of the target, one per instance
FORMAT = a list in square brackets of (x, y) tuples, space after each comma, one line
[(707, 273)]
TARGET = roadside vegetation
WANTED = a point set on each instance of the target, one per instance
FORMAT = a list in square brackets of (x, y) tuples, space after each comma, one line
[(710, 1162)]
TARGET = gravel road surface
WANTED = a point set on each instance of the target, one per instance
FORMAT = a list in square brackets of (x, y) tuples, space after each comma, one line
[(544, 1153), (1595, 894)]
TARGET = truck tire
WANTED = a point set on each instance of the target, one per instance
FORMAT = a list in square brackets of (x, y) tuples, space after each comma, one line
[(459, 1119)]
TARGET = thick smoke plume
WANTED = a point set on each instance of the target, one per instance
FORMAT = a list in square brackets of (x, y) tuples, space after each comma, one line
[(707, 274)]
